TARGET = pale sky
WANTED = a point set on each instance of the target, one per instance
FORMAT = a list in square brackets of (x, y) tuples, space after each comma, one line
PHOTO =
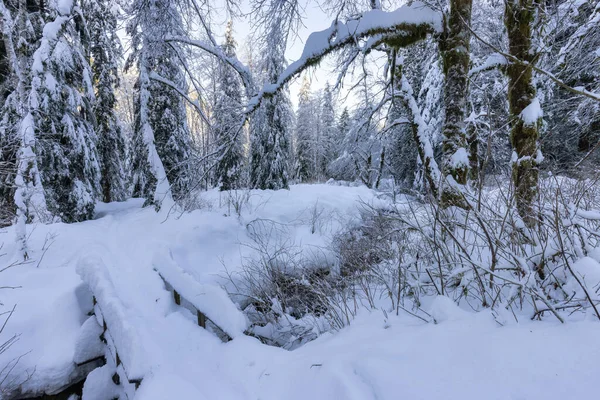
[(315, 19)]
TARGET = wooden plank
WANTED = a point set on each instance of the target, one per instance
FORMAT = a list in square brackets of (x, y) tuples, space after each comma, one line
[(201, 319)]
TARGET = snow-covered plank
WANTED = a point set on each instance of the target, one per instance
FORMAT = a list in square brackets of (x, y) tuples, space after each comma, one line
[(210, 300)]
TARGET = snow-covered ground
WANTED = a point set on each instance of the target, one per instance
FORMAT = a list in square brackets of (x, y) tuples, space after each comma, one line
[(380, 356)]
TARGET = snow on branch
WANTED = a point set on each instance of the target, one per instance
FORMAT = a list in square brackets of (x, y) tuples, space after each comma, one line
[(432, 170), (401, 27), (494, 60), (576, 38), (509, 57), (216, 51), (172, 85)]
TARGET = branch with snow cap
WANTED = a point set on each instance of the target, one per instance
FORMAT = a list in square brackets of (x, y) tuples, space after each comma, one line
[(406, 25)]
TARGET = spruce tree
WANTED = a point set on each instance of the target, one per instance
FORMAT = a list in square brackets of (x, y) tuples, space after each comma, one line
[(61, 115), (161, 139), (304, 135), (105, 52), (22, 198), (270, 143), (328, 131), (227, 113)]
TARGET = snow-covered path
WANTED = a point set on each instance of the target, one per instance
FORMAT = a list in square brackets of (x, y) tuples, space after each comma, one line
[(465, 356)]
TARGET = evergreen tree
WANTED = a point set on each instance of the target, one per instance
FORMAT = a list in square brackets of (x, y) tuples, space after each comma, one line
[(161, 140), (270, 144), (105, 52), (21, 191), (304, 134), (227, 120), (61, 107), (327, 132)]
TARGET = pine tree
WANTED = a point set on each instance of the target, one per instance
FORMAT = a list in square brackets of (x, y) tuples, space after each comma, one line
[(304, 135), (270, 143), (61, 107), (105, 52), (161, 140), (227, 113)]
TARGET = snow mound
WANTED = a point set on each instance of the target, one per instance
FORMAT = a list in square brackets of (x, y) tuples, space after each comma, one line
[(588, 271), (445, 309), (99, 385)]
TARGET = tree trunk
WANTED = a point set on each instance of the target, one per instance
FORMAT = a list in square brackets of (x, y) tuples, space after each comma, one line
[(456, 58), (524, 135)]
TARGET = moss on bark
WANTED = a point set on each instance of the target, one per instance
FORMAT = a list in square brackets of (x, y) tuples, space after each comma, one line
[(518, 19)]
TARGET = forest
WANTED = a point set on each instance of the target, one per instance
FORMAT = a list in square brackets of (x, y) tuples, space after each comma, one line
[(299, 199)]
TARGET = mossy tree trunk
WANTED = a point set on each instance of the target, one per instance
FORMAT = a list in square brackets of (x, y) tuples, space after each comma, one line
[(456, 57), (524, 135)]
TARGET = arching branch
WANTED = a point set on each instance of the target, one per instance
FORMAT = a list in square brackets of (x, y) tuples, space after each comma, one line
[(399, 28)]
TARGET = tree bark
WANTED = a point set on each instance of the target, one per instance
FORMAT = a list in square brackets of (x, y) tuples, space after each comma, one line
[(456, 57), (524, 135)]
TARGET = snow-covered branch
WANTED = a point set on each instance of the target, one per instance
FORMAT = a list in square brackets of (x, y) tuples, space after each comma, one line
[(216, 51), (172, 85), (401, 27), (509, 57)]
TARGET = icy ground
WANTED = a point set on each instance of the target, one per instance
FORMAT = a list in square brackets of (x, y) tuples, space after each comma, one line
[(465, 356)]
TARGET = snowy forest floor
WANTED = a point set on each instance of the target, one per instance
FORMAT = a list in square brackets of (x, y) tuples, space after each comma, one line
[(380, 355)]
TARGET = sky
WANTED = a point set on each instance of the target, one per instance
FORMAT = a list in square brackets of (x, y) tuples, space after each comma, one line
[(315, 19)]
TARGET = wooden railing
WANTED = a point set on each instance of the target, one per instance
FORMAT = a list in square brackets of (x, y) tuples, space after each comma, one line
[(210, 303), (122, 350)]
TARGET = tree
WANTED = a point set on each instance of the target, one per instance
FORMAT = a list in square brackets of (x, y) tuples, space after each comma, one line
[(271, 123), (304, 135), (21, 190), (328, 131), (161, 143), (62, 116), (105, 52), (227, 113), (455, 47), (525, 109)]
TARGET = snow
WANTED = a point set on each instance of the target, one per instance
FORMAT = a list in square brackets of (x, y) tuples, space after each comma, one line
[(463, 355), (459, 158), (588, 271), (47, 318), (532, 113), (211, 300), (93, 272), (99, 385), (492, 61), (64, 6), (89, 345), (49, 38)]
